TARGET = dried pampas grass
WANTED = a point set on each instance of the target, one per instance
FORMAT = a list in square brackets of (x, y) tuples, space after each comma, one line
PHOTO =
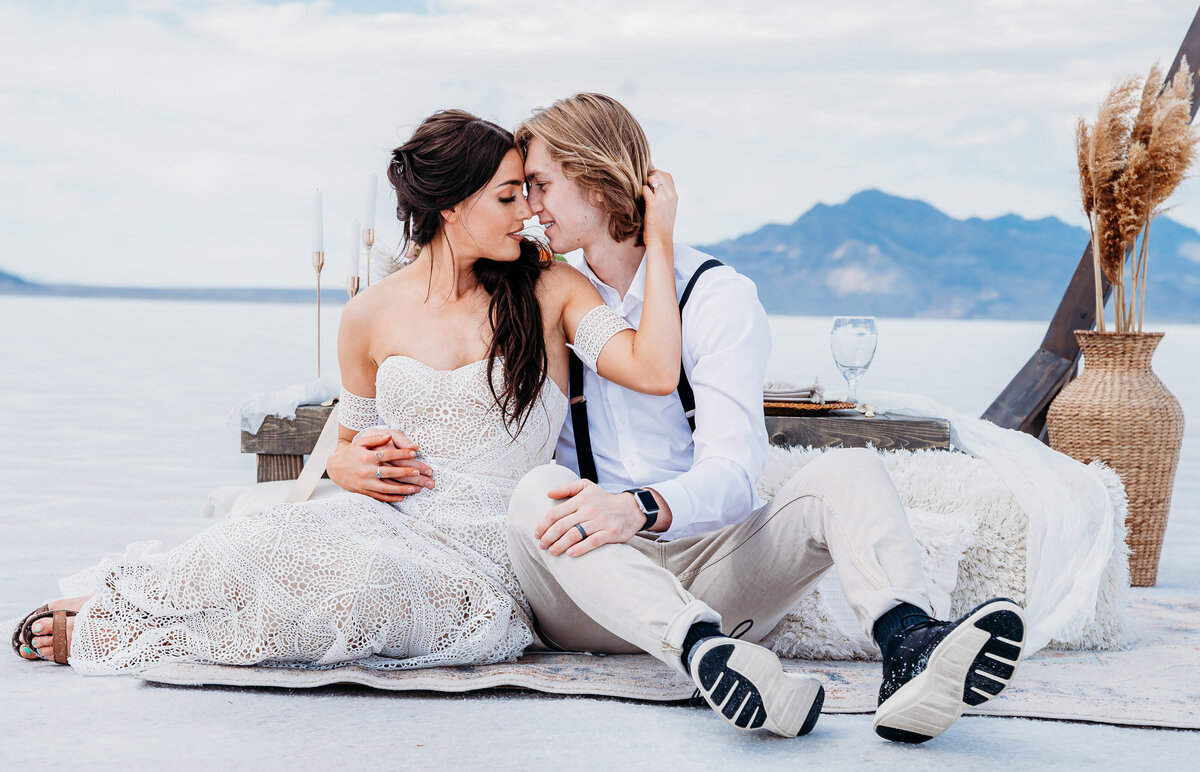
[(1130, 161), (1106, 158), (1140, 131), (1087, 196)]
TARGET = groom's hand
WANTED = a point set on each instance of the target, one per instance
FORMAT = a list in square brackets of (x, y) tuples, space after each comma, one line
[(607, 518)]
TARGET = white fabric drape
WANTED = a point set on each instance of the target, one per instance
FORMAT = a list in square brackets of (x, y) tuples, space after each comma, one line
[(1071, 517)]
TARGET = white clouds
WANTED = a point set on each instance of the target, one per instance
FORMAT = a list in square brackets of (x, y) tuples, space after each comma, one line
[(861, 280), (178, 142), (1190, 250)]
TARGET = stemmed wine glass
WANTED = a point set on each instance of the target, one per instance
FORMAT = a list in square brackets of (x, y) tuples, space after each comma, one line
[(852, 341)]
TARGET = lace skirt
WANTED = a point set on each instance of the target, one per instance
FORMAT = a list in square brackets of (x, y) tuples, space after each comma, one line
[(320, 582)]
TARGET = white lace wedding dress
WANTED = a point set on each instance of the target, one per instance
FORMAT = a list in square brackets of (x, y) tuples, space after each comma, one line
[(423, 582)]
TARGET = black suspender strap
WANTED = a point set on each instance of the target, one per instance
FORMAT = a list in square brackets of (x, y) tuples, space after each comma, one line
[(685, 389), (579, 422), (579, 418)]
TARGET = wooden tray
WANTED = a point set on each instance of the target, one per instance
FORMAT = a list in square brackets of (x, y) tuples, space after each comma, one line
[(804, 408)]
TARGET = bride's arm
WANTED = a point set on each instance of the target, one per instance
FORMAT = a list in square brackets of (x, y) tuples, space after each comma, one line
[(646, 360), (356, 405), (365, 445)]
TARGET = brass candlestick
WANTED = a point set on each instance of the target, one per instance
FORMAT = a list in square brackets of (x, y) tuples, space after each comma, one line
[(368, 240), (318, 265)]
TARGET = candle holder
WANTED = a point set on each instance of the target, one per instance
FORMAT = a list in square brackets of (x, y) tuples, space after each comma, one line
[(368, 240), (352, 286), (318, 258)]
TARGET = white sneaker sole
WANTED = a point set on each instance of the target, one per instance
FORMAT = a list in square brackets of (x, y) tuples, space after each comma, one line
[(973, 664), (789, 704)]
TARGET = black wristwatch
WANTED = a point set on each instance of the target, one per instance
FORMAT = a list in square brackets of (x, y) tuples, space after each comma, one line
[(648, 504)]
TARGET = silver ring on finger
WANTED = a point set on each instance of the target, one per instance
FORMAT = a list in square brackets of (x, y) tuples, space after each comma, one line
[(378, 476), (582, 533), (656, 186), (379, 456)]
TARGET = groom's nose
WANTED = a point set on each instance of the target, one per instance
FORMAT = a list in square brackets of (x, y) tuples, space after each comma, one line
[(534, 199)]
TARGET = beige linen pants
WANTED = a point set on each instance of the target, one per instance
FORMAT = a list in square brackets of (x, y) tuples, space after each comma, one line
[(840, 509)]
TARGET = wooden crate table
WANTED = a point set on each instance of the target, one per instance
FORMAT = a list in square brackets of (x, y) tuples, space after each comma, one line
[(852, 429), (281, 444)]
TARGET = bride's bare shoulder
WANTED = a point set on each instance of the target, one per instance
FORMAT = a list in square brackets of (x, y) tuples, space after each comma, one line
[(370, 302), (561, 281)]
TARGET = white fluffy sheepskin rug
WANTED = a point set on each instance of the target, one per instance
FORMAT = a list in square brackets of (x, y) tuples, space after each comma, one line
[(972, 533)]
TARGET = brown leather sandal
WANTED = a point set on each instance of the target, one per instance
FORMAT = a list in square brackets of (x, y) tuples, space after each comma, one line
[(23, 635)]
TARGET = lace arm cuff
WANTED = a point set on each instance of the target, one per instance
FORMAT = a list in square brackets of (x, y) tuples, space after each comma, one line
[(357, 413), (595, 329)]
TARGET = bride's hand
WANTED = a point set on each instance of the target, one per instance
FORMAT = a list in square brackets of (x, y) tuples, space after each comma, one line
[(661, 203), (380, 464)]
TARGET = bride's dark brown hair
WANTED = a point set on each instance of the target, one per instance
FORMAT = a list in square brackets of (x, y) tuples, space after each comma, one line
[(448, 159)]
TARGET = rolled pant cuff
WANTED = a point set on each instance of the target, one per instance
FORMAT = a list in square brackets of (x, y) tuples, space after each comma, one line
[(671, 645), (884, 601)]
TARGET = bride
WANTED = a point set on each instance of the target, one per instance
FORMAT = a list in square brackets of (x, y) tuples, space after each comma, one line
[(467, 350)]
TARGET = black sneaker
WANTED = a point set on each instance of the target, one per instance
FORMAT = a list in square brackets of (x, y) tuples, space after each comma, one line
[(940, 668), (746, 686)]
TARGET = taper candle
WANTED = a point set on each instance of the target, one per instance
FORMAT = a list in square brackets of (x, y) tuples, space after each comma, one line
[(353, 266), (318, 244), (372, 187)]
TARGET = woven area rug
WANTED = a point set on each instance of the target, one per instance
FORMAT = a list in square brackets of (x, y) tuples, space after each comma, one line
[(1155, 683)]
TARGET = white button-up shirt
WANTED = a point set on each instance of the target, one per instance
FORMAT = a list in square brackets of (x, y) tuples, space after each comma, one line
[(707, 477)]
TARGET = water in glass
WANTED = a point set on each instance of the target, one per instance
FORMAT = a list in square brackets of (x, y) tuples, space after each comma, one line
[(852, 341)]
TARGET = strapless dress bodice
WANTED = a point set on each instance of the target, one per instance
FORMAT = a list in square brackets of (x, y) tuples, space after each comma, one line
[(453, 417)]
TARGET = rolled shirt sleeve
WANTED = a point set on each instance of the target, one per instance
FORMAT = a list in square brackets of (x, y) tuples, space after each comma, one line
[(727, 342)]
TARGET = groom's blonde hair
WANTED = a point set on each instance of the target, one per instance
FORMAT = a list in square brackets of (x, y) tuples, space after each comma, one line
[(600, 146)]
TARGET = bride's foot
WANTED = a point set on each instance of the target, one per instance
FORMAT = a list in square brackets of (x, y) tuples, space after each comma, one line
[(43, 629)]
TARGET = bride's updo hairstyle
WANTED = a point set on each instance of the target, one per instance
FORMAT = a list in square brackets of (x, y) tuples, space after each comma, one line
[(448, 159)]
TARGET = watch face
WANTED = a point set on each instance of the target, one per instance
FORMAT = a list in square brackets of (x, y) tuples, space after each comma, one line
[(646, 501)]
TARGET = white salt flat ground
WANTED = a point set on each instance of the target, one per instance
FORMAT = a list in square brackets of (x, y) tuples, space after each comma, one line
[(112, 415)]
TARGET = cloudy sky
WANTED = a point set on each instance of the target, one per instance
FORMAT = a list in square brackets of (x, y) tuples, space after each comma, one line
[(178, 142)]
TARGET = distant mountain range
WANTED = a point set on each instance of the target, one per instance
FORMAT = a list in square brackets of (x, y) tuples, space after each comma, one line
[(876, 254), (11, 284), (9, 280), (881, 255)]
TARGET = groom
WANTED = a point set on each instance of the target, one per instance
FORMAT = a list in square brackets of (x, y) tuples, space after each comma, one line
[(668, 543)]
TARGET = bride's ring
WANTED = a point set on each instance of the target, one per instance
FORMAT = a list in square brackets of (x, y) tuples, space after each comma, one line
[(379, 456), (582, 532), (656, 186), (377, 473)]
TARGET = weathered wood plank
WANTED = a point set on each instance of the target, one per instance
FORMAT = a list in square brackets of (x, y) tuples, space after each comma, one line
[(1024, 402), (1190, 47), (1077, 309), (852, 430), (272, 467), (282, 437), (281, 444), (1028, 396)]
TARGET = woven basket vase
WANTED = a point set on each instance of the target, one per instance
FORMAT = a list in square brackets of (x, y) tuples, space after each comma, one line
[(1119, 412)]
